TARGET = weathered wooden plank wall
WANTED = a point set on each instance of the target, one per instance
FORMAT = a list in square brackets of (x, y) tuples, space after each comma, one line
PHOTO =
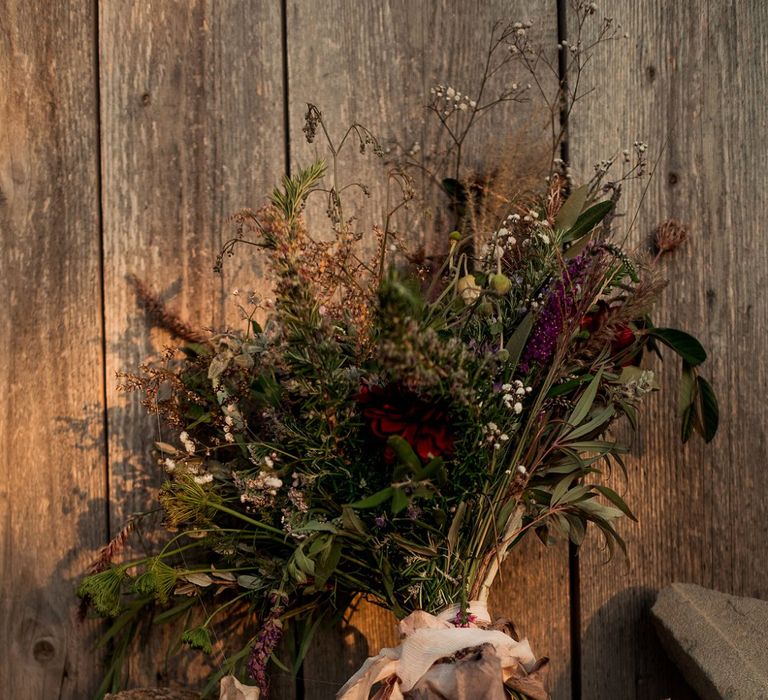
[(192, 131), (185, 103), (691, 80), (52, 457)]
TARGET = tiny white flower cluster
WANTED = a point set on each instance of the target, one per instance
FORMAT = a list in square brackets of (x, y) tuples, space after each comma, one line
[(640, 386), (199, 475), (414, 590), (228, 423), (233, 420), (520, 28), (520, 469), (296, 495), (519, 36), (603, 166), (543, 234), (499, 242), (453, 100), (253, 298), (513, 395), (531, 216), (265, 481), (187, 441), (492, 435)]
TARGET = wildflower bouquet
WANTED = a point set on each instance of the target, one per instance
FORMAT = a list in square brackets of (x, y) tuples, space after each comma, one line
[(392, 431)]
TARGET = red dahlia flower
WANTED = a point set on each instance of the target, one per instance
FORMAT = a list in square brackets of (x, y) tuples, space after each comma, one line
[(394, 410)]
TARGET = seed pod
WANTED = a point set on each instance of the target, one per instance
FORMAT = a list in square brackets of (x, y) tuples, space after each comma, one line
[(468, 289), (501, 284)]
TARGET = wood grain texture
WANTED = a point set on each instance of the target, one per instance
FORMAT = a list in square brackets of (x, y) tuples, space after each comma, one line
[(192, 131), (375, 63), (52, 458), (690, 80)]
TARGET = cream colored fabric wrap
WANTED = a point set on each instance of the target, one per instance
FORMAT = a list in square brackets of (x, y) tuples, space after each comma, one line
[(232, 689), (428, 638)]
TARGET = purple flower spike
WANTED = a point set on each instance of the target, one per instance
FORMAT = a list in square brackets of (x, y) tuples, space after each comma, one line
[(268, 638), (559, 305)]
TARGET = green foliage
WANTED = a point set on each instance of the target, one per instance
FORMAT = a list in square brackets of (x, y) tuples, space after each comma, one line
[(198, 638), (685, 345), (103, 590), (291, 197), (588, 220), (392, 430), (157, 580)]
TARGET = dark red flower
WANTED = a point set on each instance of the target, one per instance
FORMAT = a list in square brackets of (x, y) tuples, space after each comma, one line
[(622, 335), (623, 338), (592, 321), (394, 410)]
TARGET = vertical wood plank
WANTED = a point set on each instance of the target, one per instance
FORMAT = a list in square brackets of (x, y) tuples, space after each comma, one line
[(691, 79), (192, 127), (375, 63), (52, 457)]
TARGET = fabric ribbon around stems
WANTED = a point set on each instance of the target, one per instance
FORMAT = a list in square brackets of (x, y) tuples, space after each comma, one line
[(427, 639)]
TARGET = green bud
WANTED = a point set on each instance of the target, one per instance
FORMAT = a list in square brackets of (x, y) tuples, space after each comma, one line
[(485, 309), (455, 236), (501, 284)]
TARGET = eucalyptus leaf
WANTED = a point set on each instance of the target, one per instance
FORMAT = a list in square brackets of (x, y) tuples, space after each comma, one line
[(327, 565), (303, 562), (560, 489), (577, 530), (569, 212), (709, 410), (517, 341), (316, 526), (588, 220), (565, 387), (686, 389), (687, 422), (617, 500), (584, 404), (399, 501), (682, 343), (374, 500), (250, 582), (199, 579), (574, 494), (598, 419), (352, 521), (404, 452)]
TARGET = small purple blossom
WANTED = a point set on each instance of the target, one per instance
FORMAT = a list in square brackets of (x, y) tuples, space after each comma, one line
[(559, 305), (463, 619), (268, 638), (380, 521), (414, 512)]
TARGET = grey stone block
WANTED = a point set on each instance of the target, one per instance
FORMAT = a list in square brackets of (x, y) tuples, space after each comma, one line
[(719, 641)]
